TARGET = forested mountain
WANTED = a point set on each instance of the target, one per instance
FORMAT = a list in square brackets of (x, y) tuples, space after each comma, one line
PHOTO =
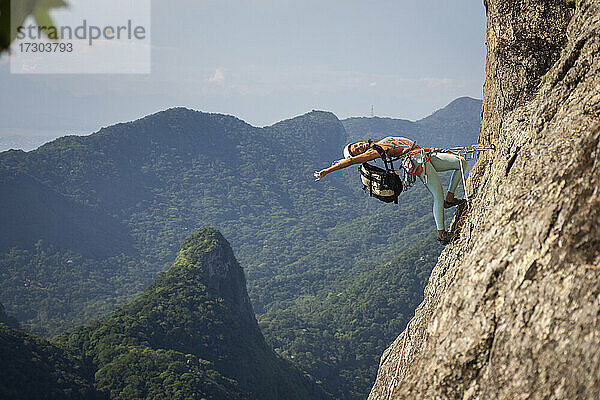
[(88, 222), (191, 334), (7, 319), (454, 125), (29, 206), (338, 334), (33, 368)]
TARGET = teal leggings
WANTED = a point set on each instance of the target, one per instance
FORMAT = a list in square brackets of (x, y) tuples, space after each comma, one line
[(440, 162)]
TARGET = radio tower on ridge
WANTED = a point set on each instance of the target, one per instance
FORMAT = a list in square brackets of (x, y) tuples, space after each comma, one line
[(372, 110)]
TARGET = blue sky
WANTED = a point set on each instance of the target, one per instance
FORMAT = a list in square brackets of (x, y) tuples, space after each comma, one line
[(267, 60)]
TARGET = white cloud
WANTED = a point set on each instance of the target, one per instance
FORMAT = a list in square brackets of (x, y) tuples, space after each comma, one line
[(218, 77)]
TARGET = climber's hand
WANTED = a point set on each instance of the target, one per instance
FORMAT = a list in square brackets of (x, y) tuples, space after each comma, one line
[(319, 174)]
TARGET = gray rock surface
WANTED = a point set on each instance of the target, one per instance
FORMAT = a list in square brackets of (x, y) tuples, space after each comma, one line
[(512, 308)]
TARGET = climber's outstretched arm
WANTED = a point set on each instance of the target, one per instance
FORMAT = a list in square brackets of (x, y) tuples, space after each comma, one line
[(368, 155)]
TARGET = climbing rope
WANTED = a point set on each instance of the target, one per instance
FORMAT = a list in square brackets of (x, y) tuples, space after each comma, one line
[(392, 384), (469, 152), (462, 172)]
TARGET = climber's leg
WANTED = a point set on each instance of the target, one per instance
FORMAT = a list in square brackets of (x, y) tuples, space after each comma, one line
[(431, 180), (447, 162)]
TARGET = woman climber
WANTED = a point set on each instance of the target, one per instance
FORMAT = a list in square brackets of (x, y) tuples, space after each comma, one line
[(425, 164)]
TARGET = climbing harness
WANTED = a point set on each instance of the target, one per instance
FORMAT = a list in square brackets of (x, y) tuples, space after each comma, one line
[(394, 379)]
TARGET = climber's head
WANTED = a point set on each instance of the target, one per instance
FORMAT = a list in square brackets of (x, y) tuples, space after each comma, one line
[(356, 148)]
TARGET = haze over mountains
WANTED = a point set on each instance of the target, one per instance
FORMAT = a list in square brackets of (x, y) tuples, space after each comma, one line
[(453, 118), (88, 222)]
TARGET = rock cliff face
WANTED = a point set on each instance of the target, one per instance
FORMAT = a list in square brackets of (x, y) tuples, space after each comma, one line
[(512, 308)]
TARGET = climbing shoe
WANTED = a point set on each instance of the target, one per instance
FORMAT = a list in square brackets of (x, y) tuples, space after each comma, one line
[(446, 239), (454, 202)]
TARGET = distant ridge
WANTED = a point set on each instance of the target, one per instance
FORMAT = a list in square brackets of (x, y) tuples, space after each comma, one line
[(450, 126), (461, 106)]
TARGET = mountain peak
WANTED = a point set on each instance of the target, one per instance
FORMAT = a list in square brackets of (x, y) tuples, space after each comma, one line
[(456, 124), (198, 311), (463, 101), (321, 113), (317, 132), (316, 116), (454, 111), (207, 256), (178, 114), (203, 240)]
